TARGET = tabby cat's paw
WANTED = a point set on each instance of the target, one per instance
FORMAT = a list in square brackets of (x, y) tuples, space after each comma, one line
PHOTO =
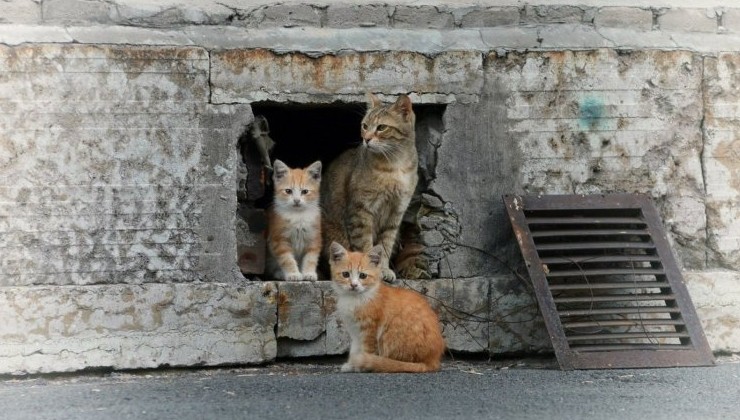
[(347, 367), (388, 275), (310, 276), (293, 276)]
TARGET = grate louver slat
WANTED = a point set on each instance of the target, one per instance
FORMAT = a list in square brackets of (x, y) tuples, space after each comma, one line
[(606, 281)]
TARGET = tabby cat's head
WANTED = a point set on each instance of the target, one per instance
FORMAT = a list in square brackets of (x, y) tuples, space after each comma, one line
[(388, 127), (355, 272), (296, 189)]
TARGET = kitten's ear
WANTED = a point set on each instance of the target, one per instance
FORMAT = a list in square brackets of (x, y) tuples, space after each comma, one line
[(337, 252), (403, 106), (373, 100), (315, 170), (280, 170), (374, 254)]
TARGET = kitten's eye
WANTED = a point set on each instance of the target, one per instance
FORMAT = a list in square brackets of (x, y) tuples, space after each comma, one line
[(363, 276), (345, 274), (382, 127), (364, 126), (288, 191), (304, 192)]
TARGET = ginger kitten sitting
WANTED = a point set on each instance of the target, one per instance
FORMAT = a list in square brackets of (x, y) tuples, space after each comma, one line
[(294, 223), (392, 329)]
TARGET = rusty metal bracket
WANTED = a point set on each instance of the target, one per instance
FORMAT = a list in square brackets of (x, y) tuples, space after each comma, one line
[(607, 283)]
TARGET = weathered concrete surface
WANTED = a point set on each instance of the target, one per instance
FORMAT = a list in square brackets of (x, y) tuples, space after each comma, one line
[(58, 329), (716, 296), (118, 163), (473, 320), (109, 158), (258, 75), (721, 159)]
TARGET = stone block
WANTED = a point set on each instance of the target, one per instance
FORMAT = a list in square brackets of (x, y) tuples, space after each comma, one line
[(510, 37), (407, 17), (171, 14), (353, 16), (516, 323), (731, 20), (553, 14), (248, 75), (492, 16), (53, 329), (307, 320), (289, 16), (567, 36), (462, 305), (629, 38), (721, 159), (624, 18), (16, 34), (153, 202), (21, 11), (716, 297), (79, 11), (688, 20)]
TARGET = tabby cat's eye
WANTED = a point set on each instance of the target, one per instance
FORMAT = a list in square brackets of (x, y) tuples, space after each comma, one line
[(288, 191), (382, 127), (364, 126), (304, 192), (363, 276), (345, 274)]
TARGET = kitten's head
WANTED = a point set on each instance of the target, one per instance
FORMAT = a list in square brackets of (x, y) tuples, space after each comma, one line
[(355, 272), (388, 127), (296, 189)]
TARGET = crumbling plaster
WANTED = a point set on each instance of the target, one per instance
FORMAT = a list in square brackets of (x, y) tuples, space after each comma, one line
[(118, 164)]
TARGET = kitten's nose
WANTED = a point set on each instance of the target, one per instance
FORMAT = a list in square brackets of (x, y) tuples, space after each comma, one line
[(296, 201), (353, 286)]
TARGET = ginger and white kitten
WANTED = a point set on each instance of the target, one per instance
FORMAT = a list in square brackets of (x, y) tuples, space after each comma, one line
[(392, 329), (367, 189), (294, 223)]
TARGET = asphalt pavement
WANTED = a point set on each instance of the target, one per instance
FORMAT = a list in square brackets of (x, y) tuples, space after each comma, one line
[(315, 389)]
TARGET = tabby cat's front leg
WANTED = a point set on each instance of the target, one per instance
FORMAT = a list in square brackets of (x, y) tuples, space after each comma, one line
[(360, 228), (387, 239)]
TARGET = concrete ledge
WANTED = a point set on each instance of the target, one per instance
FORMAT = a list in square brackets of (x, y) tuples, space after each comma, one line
[(53, 329), (320, 41), (61, 329)]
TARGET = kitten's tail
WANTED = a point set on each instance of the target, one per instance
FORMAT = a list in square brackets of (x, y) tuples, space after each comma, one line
[(372, 363)]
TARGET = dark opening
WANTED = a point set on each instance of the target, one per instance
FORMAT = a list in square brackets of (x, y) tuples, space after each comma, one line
[(304, 133)]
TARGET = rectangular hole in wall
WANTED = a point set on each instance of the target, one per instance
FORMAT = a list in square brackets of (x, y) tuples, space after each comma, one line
[(304, 133)]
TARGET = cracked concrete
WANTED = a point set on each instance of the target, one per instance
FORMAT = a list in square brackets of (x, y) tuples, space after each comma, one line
[(118, 163)]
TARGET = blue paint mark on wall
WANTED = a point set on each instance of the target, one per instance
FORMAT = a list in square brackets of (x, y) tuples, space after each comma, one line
[(591, 111)]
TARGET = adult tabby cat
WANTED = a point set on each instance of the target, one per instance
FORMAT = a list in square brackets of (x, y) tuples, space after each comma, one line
[(366, 189), (392, 329), (294, 223)]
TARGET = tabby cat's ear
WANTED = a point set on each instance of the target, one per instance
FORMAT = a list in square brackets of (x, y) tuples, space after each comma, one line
[(403, 106), (374, 254), (260, 123), (315, 170), (280, 168), (337, 252), (373, 100)]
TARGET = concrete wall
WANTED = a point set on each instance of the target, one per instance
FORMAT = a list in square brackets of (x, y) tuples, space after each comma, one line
[(119, 124)]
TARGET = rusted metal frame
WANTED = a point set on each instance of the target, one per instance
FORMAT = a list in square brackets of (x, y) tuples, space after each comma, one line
[(675, 278), (547, 306), (603, 356)]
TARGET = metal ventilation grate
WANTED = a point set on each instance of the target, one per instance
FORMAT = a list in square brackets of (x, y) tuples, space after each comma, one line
[(607, 283)]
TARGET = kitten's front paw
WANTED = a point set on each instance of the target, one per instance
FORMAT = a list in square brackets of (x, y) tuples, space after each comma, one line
[(310, 276), (293, 276), (388, 275)]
